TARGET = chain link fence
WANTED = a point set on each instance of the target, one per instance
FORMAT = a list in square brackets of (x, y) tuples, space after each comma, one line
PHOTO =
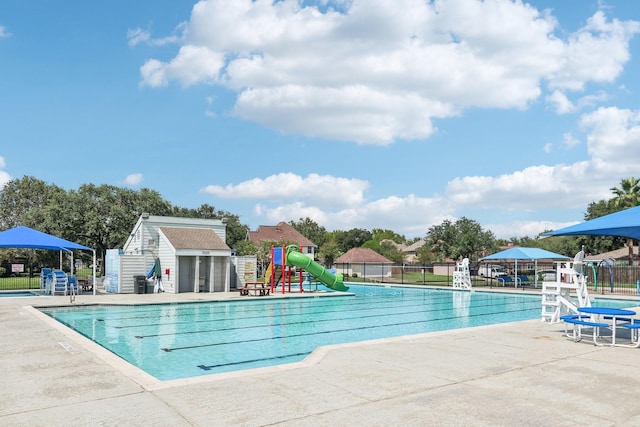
[(601, 279)]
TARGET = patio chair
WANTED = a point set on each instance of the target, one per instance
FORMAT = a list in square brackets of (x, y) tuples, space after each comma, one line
[(72, 285), (633, 327), (45, 274), (522, 280), (504, 280), (58, 282)]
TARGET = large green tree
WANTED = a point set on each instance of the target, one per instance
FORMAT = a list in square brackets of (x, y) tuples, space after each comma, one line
[(350, 239), (26, 201), (311, 230), (236, 231), (329, 252), (33, 203), (102, 216), (391, 252), (464, 238), (379, 235)]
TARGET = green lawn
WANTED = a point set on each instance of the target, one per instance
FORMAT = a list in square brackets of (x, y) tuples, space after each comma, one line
[(26, 282)]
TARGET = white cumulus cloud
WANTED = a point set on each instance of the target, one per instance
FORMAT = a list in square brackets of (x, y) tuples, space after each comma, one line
[(133, 179), (4, 33), (4, 176), (323, 189), (613, 146), (376, 71)]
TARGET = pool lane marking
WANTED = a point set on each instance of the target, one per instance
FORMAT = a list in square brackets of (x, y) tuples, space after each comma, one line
[(259, 305), (261, 312), (279, 337), (244, 362), (290, 323), (291, 311)]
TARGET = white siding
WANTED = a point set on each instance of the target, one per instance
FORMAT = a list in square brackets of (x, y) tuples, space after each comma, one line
[(244, 269), (167, 256), (130, 266), (145, 242), (145, 237), (121, 275)]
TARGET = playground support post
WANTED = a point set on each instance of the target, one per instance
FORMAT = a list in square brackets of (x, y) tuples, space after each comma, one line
[(301, 271), (283, 259), (273, 272)]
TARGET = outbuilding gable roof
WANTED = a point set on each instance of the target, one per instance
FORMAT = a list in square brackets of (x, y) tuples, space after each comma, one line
[(622, 253), (398, 246), (362, 255), (282, 232), (415, 246), (194, 238)]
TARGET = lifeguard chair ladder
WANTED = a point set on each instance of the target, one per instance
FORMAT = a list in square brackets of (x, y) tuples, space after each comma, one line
[(461, 275), (556, 296)]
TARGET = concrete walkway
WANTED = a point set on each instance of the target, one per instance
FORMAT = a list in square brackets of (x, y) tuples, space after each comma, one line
[(518, 374)]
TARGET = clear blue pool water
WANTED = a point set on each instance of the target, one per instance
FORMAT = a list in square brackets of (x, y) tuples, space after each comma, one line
[(181, 340), (17, 294)]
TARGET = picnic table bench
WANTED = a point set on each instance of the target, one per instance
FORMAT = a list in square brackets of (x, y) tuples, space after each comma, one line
[(86, 284), (255, 289)]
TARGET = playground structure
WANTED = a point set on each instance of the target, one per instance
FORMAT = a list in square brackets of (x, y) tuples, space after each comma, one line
[(461, 275), (279, 270), (557, 300), (607, 264)]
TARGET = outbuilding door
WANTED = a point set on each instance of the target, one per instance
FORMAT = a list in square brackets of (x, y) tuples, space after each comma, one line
[(192, 267), (187, 273), (205, 274)]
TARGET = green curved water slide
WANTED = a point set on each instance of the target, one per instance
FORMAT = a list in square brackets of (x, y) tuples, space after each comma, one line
[(333, 281)]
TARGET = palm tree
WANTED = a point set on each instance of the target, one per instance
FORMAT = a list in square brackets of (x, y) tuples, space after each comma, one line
[(627, 196)]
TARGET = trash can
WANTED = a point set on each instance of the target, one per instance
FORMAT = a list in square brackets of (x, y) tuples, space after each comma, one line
[(139, 284)]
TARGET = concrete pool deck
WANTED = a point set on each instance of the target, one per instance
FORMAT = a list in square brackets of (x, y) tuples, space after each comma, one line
[(524, 373)]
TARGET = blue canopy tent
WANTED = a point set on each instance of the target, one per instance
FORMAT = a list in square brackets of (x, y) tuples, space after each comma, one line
[(25, 237), (519, 253), (625, 223)]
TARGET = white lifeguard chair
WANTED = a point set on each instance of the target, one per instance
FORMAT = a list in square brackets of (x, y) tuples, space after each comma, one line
[(461, 275), (556, 296)]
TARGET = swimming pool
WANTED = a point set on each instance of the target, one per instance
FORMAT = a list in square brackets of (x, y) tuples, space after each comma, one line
[(7, 294), (181, 340)]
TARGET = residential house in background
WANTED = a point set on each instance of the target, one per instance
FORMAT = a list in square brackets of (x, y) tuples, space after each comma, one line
[(621, 256), (284, 234), (409, 253), (399, 246), (363, 262)]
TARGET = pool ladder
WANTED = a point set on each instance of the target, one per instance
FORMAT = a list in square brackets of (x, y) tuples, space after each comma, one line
[(72, 292)]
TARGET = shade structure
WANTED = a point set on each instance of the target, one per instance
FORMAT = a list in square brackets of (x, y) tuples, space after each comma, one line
[(625, 223), (25, 237), (519, 253), (524, 253)]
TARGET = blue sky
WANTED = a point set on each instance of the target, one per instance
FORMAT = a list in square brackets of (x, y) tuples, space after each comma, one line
[(394, 114)]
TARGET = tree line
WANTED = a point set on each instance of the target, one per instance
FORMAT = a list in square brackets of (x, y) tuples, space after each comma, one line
[(102, 216)]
